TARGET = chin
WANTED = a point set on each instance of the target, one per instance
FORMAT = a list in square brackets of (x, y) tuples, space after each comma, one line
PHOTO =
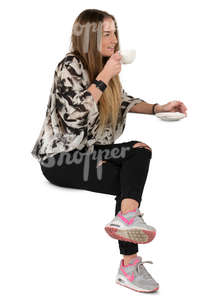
[(107, 55)]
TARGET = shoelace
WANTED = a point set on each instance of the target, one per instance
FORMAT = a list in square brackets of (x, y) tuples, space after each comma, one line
[(141, 269), (141, 215)]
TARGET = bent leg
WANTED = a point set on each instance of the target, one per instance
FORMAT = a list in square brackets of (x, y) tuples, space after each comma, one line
[(121, 176)]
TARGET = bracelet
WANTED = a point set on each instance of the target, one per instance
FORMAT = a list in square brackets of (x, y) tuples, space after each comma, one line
[(153, 108)]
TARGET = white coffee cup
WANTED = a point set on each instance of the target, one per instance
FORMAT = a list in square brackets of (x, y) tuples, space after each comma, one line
[(128, 56)]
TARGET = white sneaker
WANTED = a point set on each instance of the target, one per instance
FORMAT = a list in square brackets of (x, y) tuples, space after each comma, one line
[(130, 227)]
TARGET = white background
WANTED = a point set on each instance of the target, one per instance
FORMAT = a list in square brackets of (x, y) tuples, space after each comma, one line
[(53, 243)]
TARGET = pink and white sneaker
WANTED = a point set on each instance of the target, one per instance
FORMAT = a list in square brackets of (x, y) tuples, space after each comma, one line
[(136, 277), (130, 227)]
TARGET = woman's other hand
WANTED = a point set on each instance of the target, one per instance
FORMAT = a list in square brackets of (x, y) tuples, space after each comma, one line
[(172, 106)]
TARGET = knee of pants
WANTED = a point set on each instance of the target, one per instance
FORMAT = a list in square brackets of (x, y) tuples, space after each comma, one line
[(142, 149)]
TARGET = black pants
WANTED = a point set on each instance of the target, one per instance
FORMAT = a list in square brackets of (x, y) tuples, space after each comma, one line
[(123, 173)]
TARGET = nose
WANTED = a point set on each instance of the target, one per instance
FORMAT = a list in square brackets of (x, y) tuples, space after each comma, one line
[(114, 39)]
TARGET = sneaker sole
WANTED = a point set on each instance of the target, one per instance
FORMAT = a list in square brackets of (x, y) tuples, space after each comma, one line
[(131, 287), (136, 236)]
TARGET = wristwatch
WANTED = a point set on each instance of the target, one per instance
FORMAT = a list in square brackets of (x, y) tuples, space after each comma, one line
[(100, 84)]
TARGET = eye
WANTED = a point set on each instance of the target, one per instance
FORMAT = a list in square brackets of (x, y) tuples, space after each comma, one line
[(108, 34)]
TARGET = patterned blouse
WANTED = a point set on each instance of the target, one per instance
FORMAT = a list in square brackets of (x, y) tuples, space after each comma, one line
[(72, 115)]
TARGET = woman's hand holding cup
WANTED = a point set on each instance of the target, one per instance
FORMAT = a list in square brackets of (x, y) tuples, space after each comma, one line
[(113, 65)]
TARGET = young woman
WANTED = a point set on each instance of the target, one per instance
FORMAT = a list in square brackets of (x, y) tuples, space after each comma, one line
[(86, 113)]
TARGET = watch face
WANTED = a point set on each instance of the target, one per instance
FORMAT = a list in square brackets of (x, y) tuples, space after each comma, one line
[(100, 84)]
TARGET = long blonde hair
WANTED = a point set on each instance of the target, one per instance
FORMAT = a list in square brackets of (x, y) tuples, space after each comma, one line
[(85, 44)]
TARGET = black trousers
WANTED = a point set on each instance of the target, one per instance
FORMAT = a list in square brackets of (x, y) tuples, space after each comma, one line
[(123, 173)]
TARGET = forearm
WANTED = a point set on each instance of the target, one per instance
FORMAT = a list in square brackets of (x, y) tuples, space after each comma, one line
[(145, 108)]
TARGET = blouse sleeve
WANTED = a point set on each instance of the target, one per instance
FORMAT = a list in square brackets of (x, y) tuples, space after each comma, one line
[(74, 103), (128, 102)]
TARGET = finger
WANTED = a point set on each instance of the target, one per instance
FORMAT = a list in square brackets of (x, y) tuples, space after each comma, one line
[(117, 55), (182, 110), (183, 107), (182, 104), (118, 58)]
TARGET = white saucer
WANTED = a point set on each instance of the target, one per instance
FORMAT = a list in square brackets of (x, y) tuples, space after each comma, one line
[(170, 116)]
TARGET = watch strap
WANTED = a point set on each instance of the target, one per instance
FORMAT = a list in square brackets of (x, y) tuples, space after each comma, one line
[(100, 84)]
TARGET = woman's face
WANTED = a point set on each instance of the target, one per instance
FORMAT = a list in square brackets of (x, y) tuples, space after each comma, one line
[(109, 39)]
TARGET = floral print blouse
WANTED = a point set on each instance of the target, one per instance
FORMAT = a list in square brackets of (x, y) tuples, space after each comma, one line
[(72, 115)]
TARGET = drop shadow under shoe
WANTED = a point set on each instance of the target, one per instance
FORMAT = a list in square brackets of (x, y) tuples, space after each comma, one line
[(135, 276), (130, 227)]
